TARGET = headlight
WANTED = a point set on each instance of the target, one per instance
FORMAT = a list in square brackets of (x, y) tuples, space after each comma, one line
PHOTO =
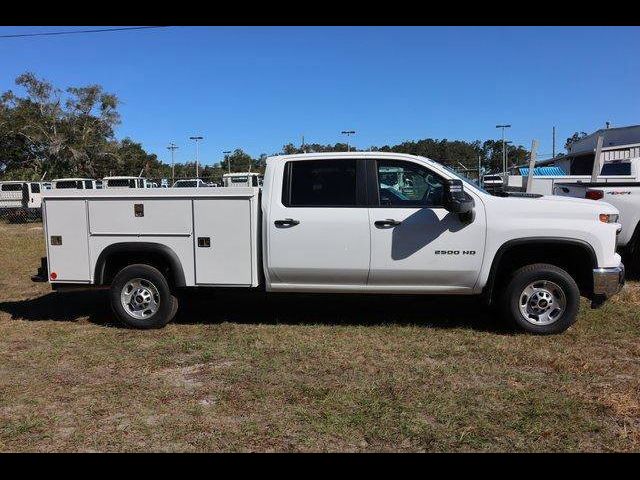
[(609, 217)]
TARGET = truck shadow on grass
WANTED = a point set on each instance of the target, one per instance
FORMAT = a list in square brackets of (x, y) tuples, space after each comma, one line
[(210, 306), (337, 309)]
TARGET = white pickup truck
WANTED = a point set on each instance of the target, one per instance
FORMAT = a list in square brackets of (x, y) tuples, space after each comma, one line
[(380, 223), (625, 196)]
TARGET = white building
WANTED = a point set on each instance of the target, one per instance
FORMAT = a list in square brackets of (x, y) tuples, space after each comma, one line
[(619, 146)]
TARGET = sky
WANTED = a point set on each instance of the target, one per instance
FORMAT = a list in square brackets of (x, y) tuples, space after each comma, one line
[(258, 88)]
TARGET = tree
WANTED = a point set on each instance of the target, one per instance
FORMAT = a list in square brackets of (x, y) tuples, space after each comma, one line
[(573, 139), (46, 130), (129, 158), (240, 161)]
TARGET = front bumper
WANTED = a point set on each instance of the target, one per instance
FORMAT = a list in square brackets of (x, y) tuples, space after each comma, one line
[(608, 281)]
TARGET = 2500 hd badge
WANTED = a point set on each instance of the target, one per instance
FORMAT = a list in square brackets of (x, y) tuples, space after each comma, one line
[(455, 252)]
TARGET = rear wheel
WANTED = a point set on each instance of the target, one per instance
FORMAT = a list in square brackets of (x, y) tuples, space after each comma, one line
[(141, 297), (541, 298)]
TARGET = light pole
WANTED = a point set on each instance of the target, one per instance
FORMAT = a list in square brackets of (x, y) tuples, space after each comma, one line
[(196, 139), (225, 153), (348, 133), (504, 151), (172, 147), (506, 155)]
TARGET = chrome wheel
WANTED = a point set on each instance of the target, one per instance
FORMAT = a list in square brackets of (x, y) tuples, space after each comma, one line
[(542, 302), (140, 298)]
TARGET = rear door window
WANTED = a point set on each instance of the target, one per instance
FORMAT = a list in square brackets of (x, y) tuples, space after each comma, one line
[(320, 183)]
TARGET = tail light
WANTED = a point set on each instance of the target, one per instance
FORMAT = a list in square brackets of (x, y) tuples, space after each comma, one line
[(594, 194), (53, 275)]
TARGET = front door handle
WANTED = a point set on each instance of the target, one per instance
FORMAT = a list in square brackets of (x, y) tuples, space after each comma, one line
[(388, 223), (286, 223)]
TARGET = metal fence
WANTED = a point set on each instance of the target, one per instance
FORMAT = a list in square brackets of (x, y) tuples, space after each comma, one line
[(20, 215), (17, 204)]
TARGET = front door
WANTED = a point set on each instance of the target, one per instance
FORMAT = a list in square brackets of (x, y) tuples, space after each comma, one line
[(415, 242), (318, 226)]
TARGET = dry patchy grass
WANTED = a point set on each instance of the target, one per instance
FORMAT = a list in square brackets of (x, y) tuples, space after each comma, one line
[(247, 372)]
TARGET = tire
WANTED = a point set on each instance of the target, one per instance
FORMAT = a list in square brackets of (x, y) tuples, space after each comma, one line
[(631, 252), (541, 299), (141, 298)]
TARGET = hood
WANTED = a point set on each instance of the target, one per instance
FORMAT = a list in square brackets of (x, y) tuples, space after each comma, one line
[(556, 206), (598, 204)]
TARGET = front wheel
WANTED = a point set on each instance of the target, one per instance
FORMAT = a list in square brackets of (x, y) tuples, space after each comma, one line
[(541, 298), (141, 297)]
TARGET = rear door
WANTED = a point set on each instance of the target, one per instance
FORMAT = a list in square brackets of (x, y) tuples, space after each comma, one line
[(318, 226), (35, 196), (415, 242)]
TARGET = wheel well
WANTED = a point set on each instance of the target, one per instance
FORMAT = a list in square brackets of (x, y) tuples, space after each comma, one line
[(117, 256), (575, 258)]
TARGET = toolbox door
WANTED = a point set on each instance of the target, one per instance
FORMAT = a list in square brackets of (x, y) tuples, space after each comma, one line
[(222, 241), (67, 241)]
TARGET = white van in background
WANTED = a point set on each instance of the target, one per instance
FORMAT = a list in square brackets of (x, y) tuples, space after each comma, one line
[(124, 182), (18, 197), (190, 183), (75, 183), (242, 179)]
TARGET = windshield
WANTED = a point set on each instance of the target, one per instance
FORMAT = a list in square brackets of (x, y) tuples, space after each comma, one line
[(466, 180)]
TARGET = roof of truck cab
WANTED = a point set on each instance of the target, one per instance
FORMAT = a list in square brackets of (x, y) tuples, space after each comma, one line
[(356, 155)]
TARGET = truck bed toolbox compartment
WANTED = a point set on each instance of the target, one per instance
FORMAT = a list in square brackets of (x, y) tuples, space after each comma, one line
[(223, 241), (211, 233), (67, 241)]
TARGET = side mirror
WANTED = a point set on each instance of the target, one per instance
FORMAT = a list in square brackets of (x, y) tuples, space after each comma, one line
[(457, 201)]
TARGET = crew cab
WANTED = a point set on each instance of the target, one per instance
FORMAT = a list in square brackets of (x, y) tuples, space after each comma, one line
[(355, 222)]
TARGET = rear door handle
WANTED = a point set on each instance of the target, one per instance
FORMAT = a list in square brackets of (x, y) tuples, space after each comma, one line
[(286, 223), (388, 223)]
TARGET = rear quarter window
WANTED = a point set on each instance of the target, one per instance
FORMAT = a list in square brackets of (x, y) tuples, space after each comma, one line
[(616, 169)]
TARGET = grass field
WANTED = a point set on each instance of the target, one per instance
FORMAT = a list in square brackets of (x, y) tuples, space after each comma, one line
[(247, 372)]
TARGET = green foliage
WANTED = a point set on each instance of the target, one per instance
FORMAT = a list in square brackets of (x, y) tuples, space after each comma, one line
[(574, 138), (448, 152), (240, 162), (71, 133)]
